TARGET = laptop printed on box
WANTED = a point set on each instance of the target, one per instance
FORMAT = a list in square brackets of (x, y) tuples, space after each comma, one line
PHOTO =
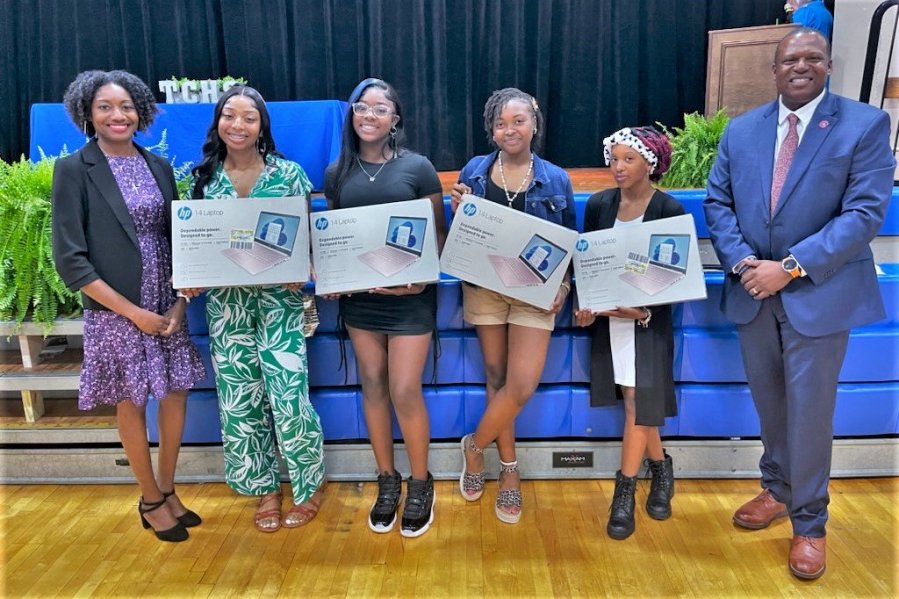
[(272, 243), (665, 265), (532, 267), (403, 246)]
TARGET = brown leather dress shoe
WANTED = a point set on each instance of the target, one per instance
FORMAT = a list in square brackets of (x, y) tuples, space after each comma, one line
[(807, 557), (759, 512)]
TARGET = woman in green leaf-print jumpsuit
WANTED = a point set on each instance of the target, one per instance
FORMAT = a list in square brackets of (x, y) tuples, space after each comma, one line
[(256, 333)]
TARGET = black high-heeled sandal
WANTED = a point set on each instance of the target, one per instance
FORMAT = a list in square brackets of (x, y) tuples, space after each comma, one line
[(189, 518), (175, 534)]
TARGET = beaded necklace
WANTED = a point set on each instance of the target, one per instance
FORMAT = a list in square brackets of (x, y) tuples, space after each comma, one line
[(502, 175)]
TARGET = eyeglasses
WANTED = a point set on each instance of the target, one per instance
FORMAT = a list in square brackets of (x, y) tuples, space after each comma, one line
[(379, 110)]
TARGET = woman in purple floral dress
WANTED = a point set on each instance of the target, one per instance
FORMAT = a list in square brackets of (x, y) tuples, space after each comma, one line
[(111, 240)]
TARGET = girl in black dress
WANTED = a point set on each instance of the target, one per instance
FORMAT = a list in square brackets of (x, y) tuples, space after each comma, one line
[(390, 328)]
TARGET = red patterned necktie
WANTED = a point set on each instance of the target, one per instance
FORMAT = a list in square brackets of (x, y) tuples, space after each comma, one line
[(784, 158)]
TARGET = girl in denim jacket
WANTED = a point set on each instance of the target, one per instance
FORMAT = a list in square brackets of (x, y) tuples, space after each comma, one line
[(514, 336)]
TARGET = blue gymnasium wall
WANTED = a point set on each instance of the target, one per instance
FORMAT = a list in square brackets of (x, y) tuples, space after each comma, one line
[(712, 395)]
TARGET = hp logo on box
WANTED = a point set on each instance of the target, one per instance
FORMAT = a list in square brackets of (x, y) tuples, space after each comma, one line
[(185, 212), (321, 223), (581, 245), (469, 209)]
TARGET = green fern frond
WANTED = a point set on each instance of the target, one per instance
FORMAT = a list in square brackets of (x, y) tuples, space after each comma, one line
[(29, 284), (694, 149)]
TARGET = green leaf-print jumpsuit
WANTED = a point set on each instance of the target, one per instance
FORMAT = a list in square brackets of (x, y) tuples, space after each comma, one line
[(259, 355)]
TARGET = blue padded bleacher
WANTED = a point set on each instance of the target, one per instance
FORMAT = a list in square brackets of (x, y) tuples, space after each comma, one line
[(713, 399), (339, 410), (446, 413), (202, 342), (604, 422), (727, 410), (201, 423)]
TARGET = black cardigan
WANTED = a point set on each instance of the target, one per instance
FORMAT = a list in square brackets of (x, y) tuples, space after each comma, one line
[(93, 233), (654, 346)]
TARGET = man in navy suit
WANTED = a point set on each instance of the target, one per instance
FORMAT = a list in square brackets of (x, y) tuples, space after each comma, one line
[(798, 191)]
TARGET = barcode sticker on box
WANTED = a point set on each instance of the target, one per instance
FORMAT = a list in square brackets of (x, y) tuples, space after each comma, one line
[(241, 239), (636, 262)]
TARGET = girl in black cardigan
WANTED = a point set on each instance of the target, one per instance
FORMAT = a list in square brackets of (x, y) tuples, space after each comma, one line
[(631, 356)]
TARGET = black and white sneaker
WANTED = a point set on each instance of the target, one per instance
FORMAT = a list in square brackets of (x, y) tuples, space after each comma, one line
[(418, 513), (382, 516)]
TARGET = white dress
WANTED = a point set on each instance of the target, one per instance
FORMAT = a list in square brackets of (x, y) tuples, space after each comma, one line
[(621, 336)]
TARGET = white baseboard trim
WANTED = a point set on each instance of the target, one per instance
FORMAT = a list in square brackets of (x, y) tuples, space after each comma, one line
[(354, 462)]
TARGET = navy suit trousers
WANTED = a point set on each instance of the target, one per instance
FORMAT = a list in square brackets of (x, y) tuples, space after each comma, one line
[(793, 379)]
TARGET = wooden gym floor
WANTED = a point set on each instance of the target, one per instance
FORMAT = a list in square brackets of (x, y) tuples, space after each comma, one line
[(85, 540)]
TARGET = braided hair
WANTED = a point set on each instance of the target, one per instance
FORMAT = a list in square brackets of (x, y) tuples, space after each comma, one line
[(648, 142), (658, 144), (498, 100)]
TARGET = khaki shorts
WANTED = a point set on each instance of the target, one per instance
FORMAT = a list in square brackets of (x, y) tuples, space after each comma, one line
[(483, 307)]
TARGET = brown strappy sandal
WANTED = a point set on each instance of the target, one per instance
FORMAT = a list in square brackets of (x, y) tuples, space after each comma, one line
[(272, 514), (302, 514)]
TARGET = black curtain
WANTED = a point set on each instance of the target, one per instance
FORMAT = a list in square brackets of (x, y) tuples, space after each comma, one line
[(594, 65)]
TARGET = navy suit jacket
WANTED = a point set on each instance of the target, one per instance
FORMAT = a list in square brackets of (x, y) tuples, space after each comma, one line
[(832, 205), (93, 233)]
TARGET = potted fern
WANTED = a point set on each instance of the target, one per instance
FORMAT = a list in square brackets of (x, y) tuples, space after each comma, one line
[(694, 149), (30, 288)]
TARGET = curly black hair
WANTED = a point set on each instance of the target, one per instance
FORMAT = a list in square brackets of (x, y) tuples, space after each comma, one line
[(80, 94), (498, 100), (215, 150)]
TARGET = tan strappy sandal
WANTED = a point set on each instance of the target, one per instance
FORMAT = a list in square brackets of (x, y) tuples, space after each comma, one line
[(266, 514)]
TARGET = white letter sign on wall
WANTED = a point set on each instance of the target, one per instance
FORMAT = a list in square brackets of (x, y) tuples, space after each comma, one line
[(192, 91)]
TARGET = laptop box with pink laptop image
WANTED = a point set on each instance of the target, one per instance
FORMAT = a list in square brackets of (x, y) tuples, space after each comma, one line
[(507, 251), (402, 247), (381, 245)]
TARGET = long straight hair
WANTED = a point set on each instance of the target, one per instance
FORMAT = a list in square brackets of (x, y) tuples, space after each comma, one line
[(215, 150), (349, 141)]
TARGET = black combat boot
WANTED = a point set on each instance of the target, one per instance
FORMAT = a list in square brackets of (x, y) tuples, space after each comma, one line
[(621, 517), (661, 490)]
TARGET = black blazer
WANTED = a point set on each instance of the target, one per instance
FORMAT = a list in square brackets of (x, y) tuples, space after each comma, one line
[(654, 346), (93, 233)]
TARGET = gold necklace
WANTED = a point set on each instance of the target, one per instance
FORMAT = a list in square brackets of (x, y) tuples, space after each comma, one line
[(502, 175)]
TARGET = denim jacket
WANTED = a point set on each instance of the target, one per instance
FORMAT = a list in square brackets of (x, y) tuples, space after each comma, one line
[(549, 195)]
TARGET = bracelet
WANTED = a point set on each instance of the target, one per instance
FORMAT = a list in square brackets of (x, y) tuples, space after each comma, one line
[(644, 322), (567, 286), (184, 297)]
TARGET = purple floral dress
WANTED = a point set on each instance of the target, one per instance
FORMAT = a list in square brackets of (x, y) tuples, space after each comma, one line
[(120, 362)]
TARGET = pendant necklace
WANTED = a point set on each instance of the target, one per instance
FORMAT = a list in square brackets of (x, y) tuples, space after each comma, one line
[(371, 177), (502, 175)]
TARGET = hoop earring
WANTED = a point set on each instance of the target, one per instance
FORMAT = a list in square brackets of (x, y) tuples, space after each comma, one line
[(535, 130), (260, 146), (84, 128), (393, 131)]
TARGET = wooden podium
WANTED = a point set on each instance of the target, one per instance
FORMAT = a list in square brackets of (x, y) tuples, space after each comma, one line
[(739, 74)]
